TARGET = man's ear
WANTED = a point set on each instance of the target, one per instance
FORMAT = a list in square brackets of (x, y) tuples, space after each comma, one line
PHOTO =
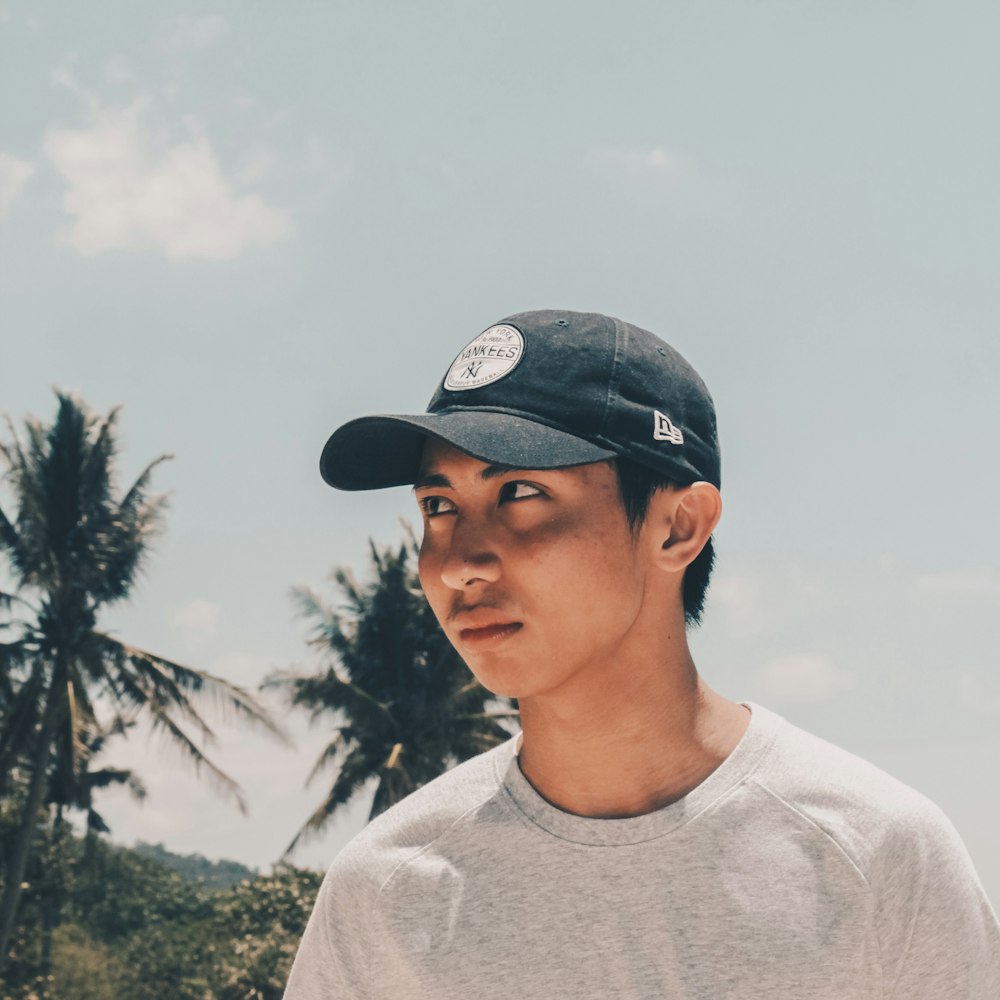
[(681, 521)]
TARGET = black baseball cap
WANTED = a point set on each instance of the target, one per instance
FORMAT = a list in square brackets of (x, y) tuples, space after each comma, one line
[(545, 390)]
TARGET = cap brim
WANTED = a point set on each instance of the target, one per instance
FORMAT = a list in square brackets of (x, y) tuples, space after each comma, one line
[(373, 453)]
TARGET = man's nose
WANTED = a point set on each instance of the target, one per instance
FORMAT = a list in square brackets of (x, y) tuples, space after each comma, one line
[(471, 556)]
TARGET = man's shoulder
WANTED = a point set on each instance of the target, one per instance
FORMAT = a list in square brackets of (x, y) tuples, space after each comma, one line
[(866, 810), (417, 821)]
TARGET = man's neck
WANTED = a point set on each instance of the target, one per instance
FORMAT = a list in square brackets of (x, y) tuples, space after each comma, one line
[(633, 741)]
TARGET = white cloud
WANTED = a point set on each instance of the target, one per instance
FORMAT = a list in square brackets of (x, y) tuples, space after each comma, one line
[(956, 585), (978, 691), (198, 620), (116, 70), (14, 174), (804, 677), (742, 601), (257, 163), (62, 76), (132, 184), (194, 32), (753, 603), (655, 164), (237, 667), (321, 161)]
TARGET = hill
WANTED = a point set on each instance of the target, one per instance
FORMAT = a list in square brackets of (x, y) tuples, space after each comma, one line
[(220, 874), (100, 921)]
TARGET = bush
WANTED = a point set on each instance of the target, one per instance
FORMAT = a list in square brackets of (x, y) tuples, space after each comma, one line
[(134, 929)]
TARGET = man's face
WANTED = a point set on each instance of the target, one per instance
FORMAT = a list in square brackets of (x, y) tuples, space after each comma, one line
[(533, 574)]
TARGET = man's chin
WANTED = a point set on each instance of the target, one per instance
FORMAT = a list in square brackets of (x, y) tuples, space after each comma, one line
[(505, 680)]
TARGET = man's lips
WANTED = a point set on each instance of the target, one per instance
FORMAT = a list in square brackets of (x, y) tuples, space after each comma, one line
[(483, 625), (488, 633)]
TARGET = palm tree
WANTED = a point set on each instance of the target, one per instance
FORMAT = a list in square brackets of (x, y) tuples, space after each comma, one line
[(16, 699), (408, 706), (75, 548), (71, 785)]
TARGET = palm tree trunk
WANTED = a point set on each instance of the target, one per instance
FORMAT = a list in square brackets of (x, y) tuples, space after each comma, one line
[(36, 792), (53, 895), (9, 756)]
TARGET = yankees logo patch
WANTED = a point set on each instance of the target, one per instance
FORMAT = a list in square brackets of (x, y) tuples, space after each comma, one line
[(664, 430), (491, 356)]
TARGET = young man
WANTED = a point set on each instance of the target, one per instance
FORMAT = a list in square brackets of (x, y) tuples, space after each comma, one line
[(642, 836)]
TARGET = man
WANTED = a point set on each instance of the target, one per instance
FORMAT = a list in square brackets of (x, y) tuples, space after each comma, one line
[(642, 836)]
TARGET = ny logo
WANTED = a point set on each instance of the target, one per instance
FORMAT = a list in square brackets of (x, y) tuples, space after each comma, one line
[(664, 430), (473, 370)]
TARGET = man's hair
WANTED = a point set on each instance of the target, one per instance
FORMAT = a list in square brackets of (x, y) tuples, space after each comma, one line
[(637, 484)]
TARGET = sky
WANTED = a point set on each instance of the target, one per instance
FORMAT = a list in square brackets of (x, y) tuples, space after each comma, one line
[(247, 223)]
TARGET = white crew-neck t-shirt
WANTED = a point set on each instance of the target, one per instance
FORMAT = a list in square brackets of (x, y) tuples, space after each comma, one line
[(794, 871)]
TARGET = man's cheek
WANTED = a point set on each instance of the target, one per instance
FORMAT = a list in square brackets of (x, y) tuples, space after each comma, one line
[(437, 598)]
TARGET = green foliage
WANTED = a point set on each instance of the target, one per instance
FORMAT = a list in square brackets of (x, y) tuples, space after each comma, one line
[(134, 929), (47, 871), (263, 921), (197, 868), (173, 959), (118, 893), (75, 545), (83, 968)]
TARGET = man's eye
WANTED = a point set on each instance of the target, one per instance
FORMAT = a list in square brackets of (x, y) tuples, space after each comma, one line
[(519, 491), (434, 506)]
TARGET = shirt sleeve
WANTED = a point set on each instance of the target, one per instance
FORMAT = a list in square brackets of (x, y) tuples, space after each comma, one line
[(939, 938), (332, 961)]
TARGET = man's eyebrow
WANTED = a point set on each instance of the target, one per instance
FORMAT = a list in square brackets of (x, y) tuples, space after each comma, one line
[(425, 479), (493, 471), (431, 479)]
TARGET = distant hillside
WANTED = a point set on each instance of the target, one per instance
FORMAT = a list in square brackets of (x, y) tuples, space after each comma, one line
[(144, 923), (196, 868)]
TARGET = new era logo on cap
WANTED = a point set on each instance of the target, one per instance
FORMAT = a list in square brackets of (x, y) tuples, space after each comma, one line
[(664, 430)]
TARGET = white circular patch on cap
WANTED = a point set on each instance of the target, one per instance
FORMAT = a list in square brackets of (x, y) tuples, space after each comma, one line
[(493, 354)]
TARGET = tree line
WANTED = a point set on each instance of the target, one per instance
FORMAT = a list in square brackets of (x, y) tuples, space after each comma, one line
[(133, 927), (399, 704)]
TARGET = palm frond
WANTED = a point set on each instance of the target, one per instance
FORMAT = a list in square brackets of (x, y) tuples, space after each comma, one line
[(13, 656), (136, 787), (394, 785), (108, 776), (226, 785), (22, 715), (478, 716), (95, 822), (329, 692), (137, 491), (147, 684), (7, 602), (138, 518), (330, 752), (176, 680), (10, 537), (354, 774), (308, 603), (10, 540)]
